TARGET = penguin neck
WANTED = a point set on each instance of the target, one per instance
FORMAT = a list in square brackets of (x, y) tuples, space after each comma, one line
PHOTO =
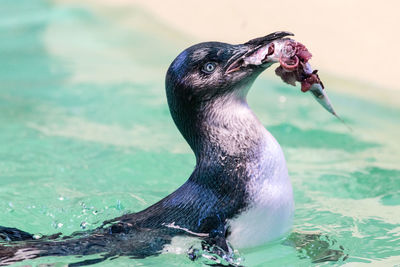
[(229, 129), (223, 128)]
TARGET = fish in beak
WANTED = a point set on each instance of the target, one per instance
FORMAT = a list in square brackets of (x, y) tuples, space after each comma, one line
[(292, 57)]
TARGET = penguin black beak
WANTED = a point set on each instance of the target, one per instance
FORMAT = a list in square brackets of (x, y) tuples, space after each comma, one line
[(239, 60), (268, 38)]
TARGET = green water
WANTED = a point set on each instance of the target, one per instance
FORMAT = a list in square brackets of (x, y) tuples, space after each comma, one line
[(86, 135)]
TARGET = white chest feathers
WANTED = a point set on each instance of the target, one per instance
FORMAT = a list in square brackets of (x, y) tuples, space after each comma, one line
[(271, 208)]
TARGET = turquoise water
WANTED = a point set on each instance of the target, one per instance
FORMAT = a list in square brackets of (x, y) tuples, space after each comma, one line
[(86, 136)]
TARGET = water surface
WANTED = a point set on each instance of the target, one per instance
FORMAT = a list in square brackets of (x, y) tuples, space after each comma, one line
[(86, 136)]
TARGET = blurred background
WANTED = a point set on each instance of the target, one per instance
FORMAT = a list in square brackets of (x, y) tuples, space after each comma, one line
[(355, 39), (86, 133), (350, 40)]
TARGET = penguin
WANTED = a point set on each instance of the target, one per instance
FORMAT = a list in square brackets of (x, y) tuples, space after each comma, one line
[(239, 193)]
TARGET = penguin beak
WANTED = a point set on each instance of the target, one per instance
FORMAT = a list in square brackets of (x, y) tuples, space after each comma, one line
[(251, 52)]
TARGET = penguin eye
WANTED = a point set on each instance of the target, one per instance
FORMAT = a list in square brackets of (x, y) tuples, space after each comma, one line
[(209, 67)]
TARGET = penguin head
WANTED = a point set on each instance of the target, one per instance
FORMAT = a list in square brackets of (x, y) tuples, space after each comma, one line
[(204, 72), (210, 80)]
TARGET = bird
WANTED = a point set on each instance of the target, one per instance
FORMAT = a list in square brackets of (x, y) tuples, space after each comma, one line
[(239, 193)]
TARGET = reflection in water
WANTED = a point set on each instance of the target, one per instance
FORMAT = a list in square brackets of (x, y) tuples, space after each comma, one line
[(317, 247)]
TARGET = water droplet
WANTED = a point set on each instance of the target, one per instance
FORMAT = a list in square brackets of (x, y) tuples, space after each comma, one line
[(37, 236), (119, 205), (56, 224), (84, 225)]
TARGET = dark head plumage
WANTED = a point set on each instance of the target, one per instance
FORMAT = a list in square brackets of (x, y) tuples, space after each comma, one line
[(207, 73)]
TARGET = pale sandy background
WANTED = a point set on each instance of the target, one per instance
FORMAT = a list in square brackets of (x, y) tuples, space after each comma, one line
[(353, 39)]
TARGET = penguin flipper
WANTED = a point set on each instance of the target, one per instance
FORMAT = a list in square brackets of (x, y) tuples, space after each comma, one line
[(217, 244), (215, 251)]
